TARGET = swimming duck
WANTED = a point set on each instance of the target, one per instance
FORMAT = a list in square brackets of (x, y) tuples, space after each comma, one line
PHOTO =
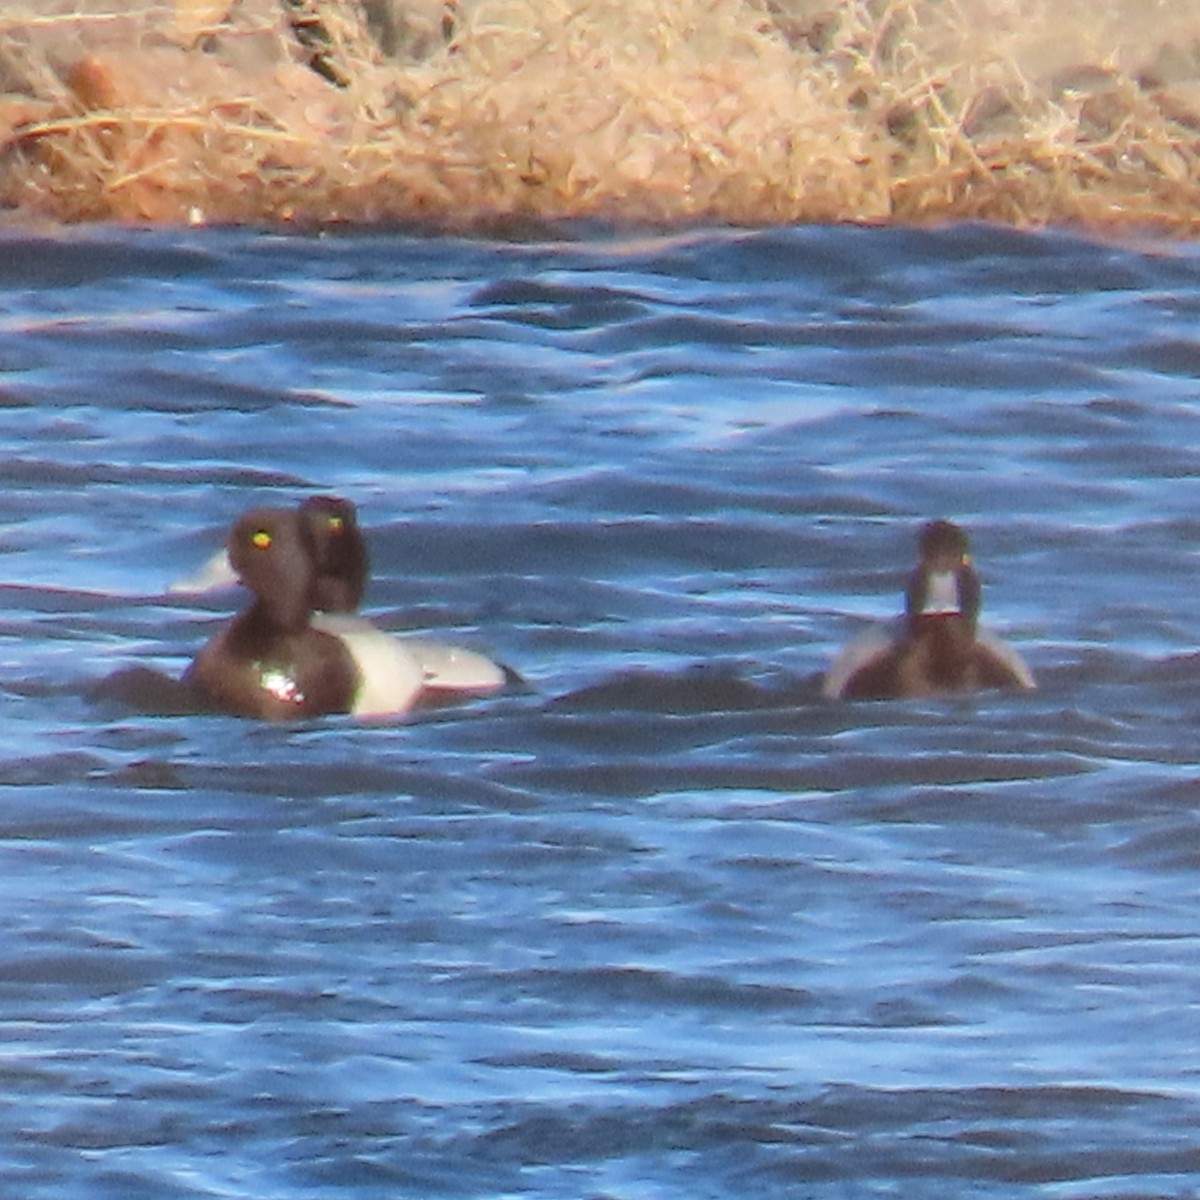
[(340, 566), (938, 647), (271, 661)]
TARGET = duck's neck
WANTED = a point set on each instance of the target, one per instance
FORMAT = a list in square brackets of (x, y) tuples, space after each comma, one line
[(261, 623), (332, 594)]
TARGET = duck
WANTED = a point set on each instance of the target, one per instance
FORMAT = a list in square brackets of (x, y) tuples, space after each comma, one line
[(340, 567), (271, 661), (936, 647)]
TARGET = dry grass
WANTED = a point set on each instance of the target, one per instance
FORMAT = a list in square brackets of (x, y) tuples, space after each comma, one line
[(745, 111)]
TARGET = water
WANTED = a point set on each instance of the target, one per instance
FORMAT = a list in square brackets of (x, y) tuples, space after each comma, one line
[(660, 923)]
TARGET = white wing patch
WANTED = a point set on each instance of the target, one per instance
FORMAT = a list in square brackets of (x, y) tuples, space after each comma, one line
[(392, 678)]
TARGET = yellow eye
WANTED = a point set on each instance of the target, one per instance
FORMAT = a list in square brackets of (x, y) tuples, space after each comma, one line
[(966, 560), (260, 539), (336, 523)]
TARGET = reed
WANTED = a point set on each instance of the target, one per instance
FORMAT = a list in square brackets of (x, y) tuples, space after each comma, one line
[(663, 111)]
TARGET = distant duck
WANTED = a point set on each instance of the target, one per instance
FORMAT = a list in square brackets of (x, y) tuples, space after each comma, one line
[(339, 566), (937, 648)]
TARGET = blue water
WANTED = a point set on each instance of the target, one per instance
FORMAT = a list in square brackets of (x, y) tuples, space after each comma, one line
[(659, 922)]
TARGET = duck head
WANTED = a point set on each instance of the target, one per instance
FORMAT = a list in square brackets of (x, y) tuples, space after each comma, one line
[(268, 551), (943, 546), (338, 552), (944, 583)]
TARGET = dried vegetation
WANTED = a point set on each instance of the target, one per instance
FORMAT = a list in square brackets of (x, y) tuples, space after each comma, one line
[(476, 113)]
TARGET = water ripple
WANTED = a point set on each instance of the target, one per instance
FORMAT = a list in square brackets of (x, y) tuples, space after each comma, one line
[(659, 921)]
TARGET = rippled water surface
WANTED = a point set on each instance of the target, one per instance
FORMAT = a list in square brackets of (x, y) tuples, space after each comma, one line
[(660, 922)]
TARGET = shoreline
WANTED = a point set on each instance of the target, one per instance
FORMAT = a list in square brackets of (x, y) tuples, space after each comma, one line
[(492, 114)]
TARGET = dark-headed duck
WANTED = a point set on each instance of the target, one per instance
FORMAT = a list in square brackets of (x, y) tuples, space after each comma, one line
[(269, 661), (938, 648), (339, 565)]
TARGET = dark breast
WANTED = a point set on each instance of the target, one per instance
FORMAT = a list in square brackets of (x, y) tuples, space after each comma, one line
[(286, 677)]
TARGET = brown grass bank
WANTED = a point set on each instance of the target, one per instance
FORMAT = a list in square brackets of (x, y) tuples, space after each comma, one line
[(467, 114)]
